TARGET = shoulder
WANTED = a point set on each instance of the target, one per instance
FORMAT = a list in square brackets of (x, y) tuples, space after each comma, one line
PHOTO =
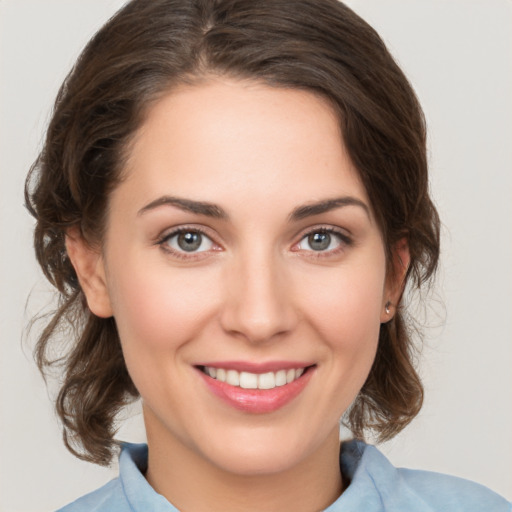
[(130, 492), (445, 492), (395, 489), (109, 497)]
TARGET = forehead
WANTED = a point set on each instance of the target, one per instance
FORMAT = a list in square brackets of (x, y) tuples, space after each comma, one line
[(239, 142)]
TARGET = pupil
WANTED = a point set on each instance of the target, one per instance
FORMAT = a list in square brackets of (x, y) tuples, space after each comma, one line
[(319, 241), (189, 241)]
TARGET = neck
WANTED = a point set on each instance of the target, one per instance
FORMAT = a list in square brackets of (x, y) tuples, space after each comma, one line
[(192, 483)]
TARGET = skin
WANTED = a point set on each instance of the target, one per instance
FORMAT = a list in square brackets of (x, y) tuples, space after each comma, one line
[(255, 291)]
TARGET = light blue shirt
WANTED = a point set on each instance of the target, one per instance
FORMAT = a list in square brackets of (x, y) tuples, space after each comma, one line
[(375, 486)]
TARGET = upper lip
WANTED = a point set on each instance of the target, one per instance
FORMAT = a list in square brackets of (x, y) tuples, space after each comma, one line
[(252, 367)]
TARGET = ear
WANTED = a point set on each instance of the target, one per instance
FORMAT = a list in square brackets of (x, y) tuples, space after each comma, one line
[(395, 281), (89, 267)]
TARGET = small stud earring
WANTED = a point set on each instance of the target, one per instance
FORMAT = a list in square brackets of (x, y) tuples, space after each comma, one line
[(387, 307)]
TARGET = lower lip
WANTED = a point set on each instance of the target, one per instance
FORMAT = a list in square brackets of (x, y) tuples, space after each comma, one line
[(257, 401)]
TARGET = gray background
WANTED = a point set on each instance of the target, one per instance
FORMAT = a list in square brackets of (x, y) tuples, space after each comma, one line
[(458, 55)]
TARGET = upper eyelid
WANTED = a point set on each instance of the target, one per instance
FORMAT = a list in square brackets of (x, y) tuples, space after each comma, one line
[(343, 232), (170, 232)]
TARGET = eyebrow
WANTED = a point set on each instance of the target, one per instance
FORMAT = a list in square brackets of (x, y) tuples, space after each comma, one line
[(215, 211), (188, 205), (327, 205)]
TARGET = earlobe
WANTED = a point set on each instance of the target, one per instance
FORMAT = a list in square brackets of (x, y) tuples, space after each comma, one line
[(395, 282), (89, 267)]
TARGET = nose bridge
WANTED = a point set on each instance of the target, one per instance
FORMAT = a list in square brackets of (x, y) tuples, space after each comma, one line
[(259, 304)]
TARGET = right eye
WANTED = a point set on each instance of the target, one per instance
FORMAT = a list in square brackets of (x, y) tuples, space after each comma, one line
[(187, 241)]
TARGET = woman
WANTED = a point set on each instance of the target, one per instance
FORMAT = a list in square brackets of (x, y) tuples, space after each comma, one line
[(231, 200)]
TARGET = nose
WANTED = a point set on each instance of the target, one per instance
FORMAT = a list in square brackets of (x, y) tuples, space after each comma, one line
[(259, 302)]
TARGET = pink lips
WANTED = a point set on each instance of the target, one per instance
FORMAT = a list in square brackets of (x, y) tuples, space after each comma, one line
[(258, 401)]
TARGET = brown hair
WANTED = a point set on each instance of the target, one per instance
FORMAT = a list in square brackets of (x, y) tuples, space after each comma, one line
[(150, 46)]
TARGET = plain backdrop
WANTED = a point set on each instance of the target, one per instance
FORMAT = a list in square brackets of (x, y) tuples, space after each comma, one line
[(458, 55)]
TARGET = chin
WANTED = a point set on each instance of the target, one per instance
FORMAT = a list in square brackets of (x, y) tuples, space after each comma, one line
[(258, 460), (262, 451)]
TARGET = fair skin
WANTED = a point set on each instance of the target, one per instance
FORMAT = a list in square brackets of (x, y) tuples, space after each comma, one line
[(254, 281)]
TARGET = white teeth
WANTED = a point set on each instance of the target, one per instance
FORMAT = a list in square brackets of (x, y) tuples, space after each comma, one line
[(267, 381), (233, 377), (248, 380), (281, 378)]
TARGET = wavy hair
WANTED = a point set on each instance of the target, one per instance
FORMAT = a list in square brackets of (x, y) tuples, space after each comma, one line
[(142, 52)]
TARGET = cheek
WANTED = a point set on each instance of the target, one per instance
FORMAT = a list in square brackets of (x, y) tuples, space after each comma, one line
[(347, 316), (159, 308), (345, 306)]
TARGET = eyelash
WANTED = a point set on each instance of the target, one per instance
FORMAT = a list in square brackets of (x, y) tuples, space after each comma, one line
[(164, 240), (345, 241)]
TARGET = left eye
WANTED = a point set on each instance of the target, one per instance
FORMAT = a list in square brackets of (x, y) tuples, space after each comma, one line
[(189, 241), (321, 241)]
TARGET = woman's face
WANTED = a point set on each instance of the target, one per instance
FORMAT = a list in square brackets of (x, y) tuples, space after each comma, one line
[(242, 246)]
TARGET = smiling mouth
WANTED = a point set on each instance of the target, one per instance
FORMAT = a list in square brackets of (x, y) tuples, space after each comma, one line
[(248, 380)]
